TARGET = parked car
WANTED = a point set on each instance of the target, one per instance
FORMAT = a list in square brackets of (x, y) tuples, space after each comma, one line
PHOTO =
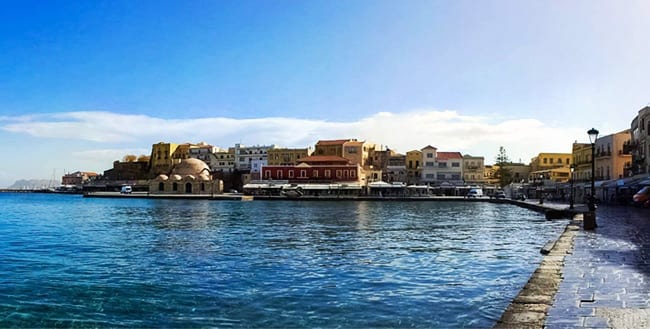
[(642, 197), (499, 195), (126, 189), (475, 193)]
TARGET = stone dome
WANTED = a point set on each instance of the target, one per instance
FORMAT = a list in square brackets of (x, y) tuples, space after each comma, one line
[(190, 167), (162, 177), (176, 177)]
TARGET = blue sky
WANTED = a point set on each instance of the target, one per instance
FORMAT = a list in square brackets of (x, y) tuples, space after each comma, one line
[(83, 83)]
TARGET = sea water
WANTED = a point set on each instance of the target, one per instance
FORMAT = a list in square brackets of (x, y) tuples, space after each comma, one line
[(69, 261)]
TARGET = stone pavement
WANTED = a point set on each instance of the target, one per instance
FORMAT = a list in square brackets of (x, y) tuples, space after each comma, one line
[(606, 277)]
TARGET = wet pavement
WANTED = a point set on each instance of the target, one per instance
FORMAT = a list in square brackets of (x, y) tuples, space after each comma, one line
[(606, 277)]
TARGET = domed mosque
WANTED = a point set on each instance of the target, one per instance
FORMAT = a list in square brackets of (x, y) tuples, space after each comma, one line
[(190, 176)]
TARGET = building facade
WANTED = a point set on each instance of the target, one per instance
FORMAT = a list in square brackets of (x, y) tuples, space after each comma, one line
[(611, 158), (639, 145), (287, 156), (190, 176), (161, 158), (316, 170), (581, 155), (244, 155), (473, 170), (413, 167)]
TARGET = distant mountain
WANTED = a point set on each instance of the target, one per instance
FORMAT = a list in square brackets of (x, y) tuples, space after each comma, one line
[(32, 184)]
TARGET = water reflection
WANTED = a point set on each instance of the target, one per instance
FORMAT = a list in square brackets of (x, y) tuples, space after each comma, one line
[(192, 263)]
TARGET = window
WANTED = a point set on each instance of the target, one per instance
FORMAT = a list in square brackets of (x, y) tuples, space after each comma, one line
[(290, 173), (161, 186), (303, 173), (202, 187), (545, 160), (315, 173), (559, 160), (352, 174), (175, 187), (455, 164), (278, 173), (429, 176), (267, 174), (410, 163), (441, 176), (339, 174), (551, 160), (429, 164), (442, 165), (429, 155), (328, 173)]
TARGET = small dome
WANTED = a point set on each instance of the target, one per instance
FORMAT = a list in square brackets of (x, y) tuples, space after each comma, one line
[(191, 166), (204, 178), (163, 177), (177, 177), (191, 177)]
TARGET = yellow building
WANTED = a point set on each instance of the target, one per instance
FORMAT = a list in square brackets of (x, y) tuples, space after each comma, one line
[(286, 156), (582, 161), (611, 158), (546, 161), (473, 169), (355, 151), (161, 157), (413, 166)]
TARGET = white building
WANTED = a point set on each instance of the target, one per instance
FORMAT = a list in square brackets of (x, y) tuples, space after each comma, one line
[(245, 155)]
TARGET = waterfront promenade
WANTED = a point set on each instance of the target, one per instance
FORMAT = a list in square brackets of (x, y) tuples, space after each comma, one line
[(590, 279), (606, 277)]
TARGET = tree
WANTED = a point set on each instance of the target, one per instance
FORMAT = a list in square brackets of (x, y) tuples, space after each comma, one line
[(129, 158), (503, 173)]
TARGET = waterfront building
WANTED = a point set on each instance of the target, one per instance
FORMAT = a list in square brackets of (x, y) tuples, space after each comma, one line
[(428, 161), (127, 171), (222, 160), (396, 169), (77, 178), (611, 158), (190, 176), (547, 161), (357, 152), (287, 156), (639, 145), (441, 168), (244, 155), (316, 169), (161, 158), (413, 167), (473, 170), (519, 172), (581, 154), (490, 174), (203, 152)]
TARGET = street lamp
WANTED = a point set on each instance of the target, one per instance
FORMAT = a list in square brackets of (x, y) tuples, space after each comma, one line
[(541, 188), (593, 136), (572, 168), (589, 218)]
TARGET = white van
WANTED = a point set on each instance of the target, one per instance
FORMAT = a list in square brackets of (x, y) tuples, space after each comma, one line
[(127, 189), (475, 193)]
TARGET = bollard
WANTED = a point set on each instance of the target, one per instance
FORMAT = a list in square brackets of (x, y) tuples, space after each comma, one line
[(589, 220)]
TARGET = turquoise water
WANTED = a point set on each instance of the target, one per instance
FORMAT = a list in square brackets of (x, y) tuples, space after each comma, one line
[(68, 261)]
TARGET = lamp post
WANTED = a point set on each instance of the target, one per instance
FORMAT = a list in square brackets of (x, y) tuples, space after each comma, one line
[(541, 189), (572, 168), (589, 218)]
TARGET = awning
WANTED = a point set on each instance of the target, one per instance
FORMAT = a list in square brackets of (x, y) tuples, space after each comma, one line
[(382, 184)]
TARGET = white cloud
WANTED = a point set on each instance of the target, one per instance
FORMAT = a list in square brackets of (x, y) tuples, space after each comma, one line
[(446, 130)]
